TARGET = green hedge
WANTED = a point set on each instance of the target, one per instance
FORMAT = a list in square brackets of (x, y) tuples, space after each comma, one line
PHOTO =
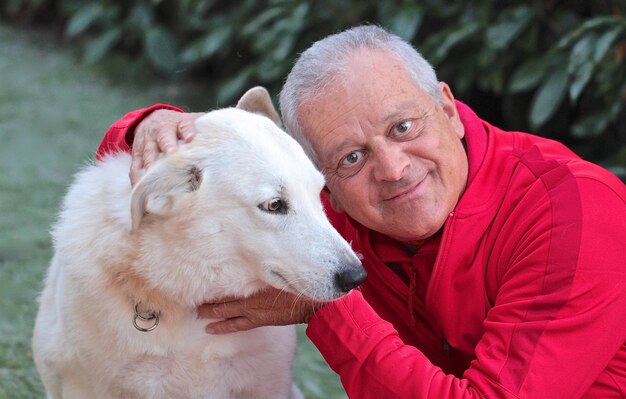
[(556, 68)]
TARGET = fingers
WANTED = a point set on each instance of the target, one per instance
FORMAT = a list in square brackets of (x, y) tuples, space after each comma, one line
[(186, 130), (136, 165), (188, 136), (230, 326), (136, 171), (269, 307), (231, 312), (165, 142), (221, 310), (159, 133)]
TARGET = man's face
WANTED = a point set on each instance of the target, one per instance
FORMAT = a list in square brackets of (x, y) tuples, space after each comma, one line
[(393, 157)]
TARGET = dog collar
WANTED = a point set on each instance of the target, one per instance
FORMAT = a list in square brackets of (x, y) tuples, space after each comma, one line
[(145, 317)]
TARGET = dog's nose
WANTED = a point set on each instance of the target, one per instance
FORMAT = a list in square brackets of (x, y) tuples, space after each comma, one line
[(350, 278)]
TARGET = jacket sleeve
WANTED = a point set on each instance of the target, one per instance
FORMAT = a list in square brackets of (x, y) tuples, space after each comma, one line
[(371, 359), (119, 137), (558, 327), (552, 332)]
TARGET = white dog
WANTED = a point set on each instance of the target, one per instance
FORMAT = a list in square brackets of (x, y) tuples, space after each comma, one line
[(235, 211)]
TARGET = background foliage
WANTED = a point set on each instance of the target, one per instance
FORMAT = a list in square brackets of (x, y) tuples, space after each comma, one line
[(552, 67)]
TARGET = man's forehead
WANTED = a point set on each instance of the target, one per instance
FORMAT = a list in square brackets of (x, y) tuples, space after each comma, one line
[(375, 89), (332, 110)]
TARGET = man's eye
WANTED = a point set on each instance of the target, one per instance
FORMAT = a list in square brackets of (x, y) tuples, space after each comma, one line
[(352, 158), (402, 128), (350, 164)]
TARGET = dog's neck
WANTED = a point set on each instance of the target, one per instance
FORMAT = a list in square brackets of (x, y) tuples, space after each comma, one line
[(140, 297)]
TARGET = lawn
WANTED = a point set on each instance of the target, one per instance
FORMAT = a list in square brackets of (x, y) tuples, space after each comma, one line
[(53, 112)]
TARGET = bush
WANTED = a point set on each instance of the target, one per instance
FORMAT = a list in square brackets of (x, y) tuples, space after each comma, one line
[(555, 68)]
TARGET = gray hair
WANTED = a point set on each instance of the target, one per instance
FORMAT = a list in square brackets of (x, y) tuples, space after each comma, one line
[(324, 63)]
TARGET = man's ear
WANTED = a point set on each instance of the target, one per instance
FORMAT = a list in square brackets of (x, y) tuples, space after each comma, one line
[(157, 191), (449, 108), (337, 207), (258, 100)]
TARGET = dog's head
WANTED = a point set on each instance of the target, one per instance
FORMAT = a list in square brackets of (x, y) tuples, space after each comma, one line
[(239, 208)]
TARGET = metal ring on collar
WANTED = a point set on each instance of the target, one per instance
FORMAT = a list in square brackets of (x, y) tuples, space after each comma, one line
[(150, 316)]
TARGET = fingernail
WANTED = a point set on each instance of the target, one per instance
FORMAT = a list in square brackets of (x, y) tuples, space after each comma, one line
[(170, 148), (187, 135)]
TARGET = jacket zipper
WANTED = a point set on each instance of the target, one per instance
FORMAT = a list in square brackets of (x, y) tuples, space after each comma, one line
[(412, 288), (445, 346)]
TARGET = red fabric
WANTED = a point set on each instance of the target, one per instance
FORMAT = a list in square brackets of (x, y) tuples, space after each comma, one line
[(526, 296), (522, 296)]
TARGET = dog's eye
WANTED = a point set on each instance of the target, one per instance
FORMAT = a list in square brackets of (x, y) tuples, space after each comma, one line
[(275, 205)]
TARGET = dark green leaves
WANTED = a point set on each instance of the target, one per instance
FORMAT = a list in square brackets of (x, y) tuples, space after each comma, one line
[(161, 49), (509, 27), (556, 68), (548, 98)]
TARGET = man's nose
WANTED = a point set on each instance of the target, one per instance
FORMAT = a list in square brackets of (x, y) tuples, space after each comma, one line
[(391, 162)]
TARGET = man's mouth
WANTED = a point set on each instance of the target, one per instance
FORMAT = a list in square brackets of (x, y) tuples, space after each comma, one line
[(406, 191)]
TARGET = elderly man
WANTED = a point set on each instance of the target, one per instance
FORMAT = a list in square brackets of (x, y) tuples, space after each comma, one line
[(496, 260)]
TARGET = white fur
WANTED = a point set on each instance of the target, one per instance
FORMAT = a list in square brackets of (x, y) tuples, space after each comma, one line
[(189, 232)]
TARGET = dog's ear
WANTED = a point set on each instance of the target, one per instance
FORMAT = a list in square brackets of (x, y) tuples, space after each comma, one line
[(258, 100), (157, 192)]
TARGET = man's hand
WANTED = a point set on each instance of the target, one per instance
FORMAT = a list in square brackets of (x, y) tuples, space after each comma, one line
[(157, 133), (270, 307)]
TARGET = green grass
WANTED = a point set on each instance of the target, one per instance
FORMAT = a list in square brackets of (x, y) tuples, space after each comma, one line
[(53, 112)]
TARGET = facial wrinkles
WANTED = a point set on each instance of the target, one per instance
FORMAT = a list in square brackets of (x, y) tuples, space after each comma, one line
[(334, 129)]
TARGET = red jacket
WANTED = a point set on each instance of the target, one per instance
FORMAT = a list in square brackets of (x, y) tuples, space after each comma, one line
[(523, 294)]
